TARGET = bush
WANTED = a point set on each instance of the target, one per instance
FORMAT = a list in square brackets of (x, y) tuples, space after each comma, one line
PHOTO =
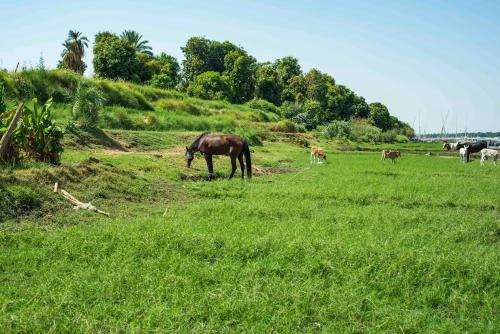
[(262, 105), (388, 136), (290, 109), (401, 139), (338, 129), (250, 136), (88, 102), (363, 131), (287, 126)]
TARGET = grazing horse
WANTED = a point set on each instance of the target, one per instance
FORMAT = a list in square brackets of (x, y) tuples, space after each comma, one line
[(317, 154), (463, 153), (391, 154), (487, 153), (476, 147), (231, 145)]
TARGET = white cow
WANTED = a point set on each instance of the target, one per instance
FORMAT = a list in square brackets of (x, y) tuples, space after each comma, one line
[(487, 153)]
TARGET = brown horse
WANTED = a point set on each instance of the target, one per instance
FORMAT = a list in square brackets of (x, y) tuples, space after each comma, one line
[(231, 145)]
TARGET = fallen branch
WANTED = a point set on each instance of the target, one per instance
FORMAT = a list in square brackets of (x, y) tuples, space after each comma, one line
[(78, 204)]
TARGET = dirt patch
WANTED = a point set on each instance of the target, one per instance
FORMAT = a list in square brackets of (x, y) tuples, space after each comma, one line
[(261, 171)]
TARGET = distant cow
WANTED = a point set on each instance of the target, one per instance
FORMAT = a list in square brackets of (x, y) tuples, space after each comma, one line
[(489, 154), (317, 154), (391, 154), (475, 147)]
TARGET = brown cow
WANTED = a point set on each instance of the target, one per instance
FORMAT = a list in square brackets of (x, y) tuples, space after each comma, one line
[(391, 154), (317, 154)]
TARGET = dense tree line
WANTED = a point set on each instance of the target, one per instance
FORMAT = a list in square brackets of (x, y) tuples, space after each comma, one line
[(222, 70)]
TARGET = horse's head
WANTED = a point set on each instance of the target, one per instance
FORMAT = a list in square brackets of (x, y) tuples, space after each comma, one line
[(446, 146), (189, 156)]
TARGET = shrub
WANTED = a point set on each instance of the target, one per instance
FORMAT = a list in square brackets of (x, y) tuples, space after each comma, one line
[(290, 109), (287, 126), (88, 102), (363, 131), (388, 136), (338, 129), (250, 136), (262, 105), (401, 139)]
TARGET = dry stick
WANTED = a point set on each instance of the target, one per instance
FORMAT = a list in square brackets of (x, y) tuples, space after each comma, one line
[(4, 142), (78, 204)]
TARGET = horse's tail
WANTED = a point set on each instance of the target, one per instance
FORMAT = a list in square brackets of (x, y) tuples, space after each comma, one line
[(246, 152)]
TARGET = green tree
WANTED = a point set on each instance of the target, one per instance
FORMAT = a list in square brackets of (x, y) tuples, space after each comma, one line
[(240, 75), (316, 86), (114, 58), (134, 40), (202, 55), (296, 89), (168, 72), (73, 52), (208, 85), (287, 67), (268, 85), (379, 116)]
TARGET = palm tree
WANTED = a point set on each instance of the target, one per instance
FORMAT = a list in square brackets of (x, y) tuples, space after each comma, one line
[(74, 51), (134, 40)]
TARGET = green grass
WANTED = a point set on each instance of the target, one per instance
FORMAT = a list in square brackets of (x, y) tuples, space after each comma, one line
[(354, 245)]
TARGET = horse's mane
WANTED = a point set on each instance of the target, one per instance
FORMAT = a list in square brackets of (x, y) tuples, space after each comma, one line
[(197, 140)]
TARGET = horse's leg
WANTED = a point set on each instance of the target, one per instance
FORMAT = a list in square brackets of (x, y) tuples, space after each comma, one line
[(210, 165), (233, 167), (242, 165)]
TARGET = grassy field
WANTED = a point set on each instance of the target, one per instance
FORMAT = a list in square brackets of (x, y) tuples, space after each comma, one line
[(354, 245)]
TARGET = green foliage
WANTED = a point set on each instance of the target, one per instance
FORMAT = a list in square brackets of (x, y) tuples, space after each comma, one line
[(36, 135), (290, 109), (379, 116), (87, 103), (401, 139), (250, 136), (134, 40), (287, 67), (363, 131), (203, 55), (114, 58), (168, 74), (263, 105), (268, 84), (209, 85), (338, 129), (240, 69), (73, 53)]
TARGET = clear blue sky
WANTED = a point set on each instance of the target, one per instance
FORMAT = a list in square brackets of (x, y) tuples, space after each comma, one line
[(424, 57)]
